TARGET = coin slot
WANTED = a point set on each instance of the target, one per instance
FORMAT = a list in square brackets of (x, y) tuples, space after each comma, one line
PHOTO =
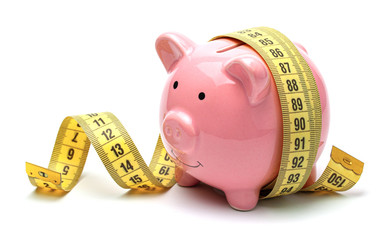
[(230, 47)]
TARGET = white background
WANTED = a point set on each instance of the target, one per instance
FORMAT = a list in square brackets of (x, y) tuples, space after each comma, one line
[(60, 58)]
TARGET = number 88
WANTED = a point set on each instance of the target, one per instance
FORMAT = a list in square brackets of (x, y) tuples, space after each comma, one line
[(292, 85)]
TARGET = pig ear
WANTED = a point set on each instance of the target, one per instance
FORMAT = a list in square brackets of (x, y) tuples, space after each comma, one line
[(254, 75), (171, 48), (299, 46)]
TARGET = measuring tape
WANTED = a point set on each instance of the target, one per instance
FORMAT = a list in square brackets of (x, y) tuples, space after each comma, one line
[(115, 148), (299, 98)]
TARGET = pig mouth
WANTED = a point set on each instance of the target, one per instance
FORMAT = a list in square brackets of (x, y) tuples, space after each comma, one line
[(192, 166)]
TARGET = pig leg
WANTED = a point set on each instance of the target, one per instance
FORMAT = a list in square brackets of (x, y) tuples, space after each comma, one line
[(242, 199), (184, 179)]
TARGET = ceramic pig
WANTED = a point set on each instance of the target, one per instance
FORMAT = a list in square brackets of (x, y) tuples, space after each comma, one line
[(220, 116)]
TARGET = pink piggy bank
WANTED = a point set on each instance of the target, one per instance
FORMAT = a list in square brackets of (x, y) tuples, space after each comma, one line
[(220, 116)]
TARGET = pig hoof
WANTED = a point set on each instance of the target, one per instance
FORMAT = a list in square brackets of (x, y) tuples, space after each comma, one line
[(184, 179), (187, 183), (242, 200)]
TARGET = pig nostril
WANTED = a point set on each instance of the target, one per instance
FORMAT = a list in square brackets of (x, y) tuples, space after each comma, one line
[(177, 133), (168, 131)]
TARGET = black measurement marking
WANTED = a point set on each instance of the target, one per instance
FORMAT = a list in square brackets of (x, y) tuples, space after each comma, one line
[(285, 67), (135, 179), (336, 180), (108, 133), (292, 85), (297, 104), (99, 121), (297, 162), (75, 138), (117, 149), (293, 178), (70, 154), (127, 166), (299, 143), (164, 170), (299, 123), (66, 170)]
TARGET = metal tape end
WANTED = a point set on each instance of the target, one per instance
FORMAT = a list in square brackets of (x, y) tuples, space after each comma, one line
[(43, 174), (347, 161)]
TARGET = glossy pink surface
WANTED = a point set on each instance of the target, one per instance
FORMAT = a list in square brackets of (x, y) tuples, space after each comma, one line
[(220, 116)]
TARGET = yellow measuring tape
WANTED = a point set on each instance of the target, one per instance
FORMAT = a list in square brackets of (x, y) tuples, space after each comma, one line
[(115, 148), (299, 98)]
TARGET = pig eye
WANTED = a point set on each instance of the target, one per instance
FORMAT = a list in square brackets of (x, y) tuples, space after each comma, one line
[(175, 84), (202, 95)]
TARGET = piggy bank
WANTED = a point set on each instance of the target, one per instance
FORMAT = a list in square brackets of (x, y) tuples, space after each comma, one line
[(220, 116)]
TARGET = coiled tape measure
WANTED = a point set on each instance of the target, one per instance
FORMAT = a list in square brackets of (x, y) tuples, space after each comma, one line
[(299, 100)]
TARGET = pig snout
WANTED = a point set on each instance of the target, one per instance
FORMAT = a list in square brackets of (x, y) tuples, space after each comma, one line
[(178, 131)]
